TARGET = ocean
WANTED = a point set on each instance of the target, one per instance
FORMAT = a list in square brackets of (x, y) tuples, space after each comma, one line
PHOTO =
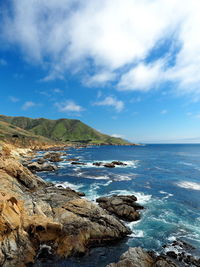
[(164, 178)]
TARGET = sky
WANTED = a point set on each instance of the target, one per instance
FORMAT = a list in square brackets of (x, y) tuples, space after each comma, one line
[(128, 68)]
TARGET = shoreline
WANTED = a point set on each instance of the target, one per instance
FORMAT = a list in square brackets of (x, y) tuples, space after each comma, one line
[(49, 227)]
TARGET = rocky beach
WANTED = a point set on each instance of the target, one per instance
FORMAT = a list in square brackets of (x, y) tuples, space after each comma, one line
[(42, 220)]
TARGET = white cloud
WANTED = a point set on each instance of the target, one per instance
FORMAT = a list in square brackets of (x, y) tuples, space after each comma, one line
[(142, 78), (69, 106), (99, 78), (69, 35), (28, 104), (111, 102)]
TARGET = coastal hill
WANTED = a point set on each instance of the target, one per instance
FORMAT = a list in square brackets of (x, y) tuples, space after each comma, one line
[(12, 134), (61, 130)]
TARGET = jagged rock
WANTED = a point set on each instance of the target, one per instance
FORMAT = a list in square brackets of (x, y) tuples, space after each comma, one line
[(181, 251), (41, 161), (33, 212), (38, 167), (125, 207), (137, 257), (53, 156)]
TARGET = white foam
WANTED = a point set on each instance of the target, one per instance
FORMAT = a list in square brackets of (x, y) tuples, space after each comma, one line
[(72, 186), (142, 198), (189, 185), (137, 233), (166, 193)]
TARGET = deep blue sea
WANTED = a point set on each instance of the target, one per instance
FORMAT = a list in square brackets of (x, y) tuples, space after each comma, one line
[(166, 181)]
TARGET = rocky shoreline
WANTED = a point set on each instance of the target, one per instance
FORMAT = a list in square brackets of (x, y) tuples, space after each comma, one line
[(38, 219)]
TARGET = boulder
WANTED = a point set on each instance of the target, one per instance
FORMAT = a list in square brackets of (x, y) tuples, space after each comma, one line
[(53, 156), (137, 257), (109, 165), (124, 207), (38, 167)]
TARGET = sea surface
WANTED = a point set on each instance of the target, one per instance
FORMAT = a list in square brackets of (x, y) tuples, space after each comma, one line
[(166, 181)]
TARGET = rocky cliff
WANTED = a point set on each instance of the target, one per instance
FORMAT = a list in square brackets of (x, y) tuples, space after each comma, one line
[(35, 215)]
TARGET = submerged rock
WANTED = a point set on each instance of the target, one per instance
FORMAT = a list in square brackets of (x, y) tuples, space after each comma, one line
[(77, 163), (98, 164), (72, 159), (109, 165), (137, 257), (119, 163), (125, 207)]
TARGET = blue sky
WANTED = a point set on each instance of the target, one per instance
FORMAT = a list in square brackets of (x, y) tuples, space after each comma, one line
[(128, 68)]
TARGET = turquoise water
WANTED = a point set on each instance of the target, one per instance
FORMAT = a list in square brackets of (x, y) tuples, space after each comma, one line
[(166, 180)]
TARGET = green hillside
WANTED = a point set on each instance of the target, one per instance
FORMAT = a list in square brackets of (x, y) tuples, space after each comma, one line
[(13, 134), (63, 130)]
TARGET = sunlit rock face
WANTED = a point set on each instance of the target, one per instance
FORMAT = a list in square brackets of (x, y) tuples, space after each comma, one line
[(34, 213)]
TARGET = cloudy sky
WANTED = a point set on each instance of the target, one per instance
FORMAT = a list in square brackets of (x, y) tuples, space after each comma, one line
[(128, 68)]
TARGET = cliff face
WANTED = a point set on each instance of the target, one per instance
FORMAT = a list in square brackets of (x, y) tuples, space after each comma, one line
[(34, 214)]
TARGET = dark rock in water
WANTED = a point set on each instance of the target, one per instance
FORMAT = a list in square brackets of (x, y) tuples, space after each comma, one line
[(77, 163), (41, 161), (45, 253), (109, 165), (181, 252), (172, 254), (137, 257), (98, 164), (72, 159), (125, 207), (36, 167), (119, 163), (53, 156)]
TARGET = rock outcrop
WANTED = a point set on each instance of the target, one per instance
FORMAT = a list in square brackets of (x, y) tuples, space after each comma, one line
[(137, 257), (124, 207), (54, 156), (181, 251), (41, 166), (35, 214), (112, 164)]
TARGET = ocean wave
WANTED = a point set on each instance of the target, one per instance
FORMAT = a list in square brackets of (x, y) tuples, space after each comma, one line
[(129, 164), (137, 233), (167, 194), (75, 187), (142, 198), (189, 185)]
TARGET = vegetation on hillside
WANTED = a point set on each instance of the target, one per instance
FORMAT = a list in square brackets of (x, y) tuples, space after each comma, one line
[(61, 130)]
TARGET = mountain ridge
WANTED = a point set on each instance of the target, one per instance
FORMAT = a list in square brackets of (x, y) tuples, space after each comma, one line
[(62, 130)]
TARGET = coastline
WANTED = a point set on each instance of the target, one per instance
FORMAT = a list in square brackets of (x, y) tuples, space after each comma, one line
[(24, 191)]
